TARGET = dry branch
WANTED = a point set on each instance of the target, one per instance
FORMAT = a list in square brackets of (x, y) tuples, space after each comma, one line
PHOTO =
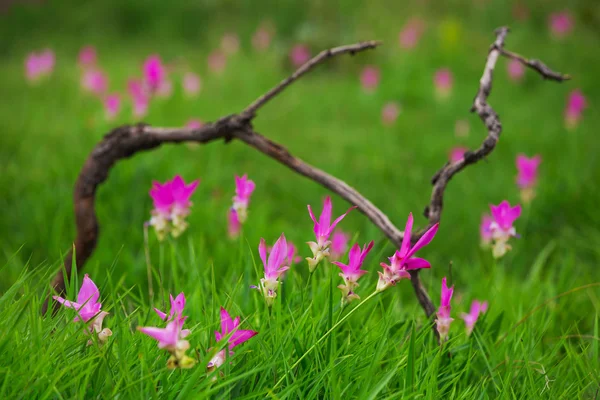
[(125, 141)]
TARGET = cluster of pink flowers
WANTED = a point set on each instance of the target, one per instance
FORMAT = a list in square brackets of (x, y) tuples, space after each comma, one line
[(171, 206), (576, 103), (39, 65), (238, 213)]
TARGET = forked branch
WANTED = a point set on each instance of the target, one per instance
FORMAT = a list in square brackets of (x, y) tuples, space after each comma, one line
[(125, 141)]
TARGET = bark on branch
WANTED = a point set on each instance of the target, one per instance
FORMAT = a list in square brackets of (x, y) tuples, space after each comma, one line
[(125, 141)]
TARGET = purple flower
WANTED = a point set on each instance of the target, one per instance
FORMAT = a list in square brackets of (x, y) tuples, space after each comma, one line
[(411, 33), (369, 78), (261, 40), (230, 43), (457, 153), (560, 24), (471, 318), (352, 272), (502, 227), (94, 81), (217, 61), (403, 261), (339, 244), (444, 320), (233, 224), (322, 229), (154, 73), (47, 60), (112, 105), (191, 84), (171, 206), (38, 65), (575, 105), (87, 57), (515, 69), (88, 308), (236, 337), (389, 113), (274, 267), (485, 230), (171, 338), (443, 81), (527, 175), (243, 190), (299, 54), (176, 312)]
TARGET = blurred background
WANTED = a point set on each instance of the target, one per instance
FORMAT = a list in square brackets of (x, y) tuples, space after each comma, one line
[(384, 121)]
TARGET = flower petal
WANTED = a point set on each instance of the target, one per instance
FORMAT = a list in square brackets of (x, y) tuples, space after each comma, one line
[(241, 336), (161, 314), (262, 251), (325, 217), (226, 322), (337, 220), (405, 247), (417, 263), (424, 240)]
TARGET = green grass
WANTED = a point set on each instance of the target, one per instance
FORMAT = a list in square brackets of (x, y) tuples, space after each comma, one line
[(530, 344)]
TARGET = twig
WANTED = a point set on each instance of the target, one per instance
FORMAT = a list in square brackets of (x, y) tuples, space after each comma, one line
[(537, 65)]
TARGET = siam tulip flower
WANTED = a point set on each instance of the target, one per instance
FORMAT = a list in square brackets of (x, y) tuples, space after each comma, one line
[(243, 190), (560, 24), (516, 70), (339, 244), (235, 337), (575, 106), (502, 227), (94, 81), (47, 59), (443, 81), (171, 206), (471, 318), (233, 224), (299, 54), (527, 176), (87, 57), (154, 73), (389, 113), (217, 61), (112, 106), (261, 40), (139, 96), (444, 320), (403, 261), (461, 128), (135, 88), (194, 124), (322, 229), (485, 230), (176, 312), (171, 338), (457, 153), (352, 272), (191, 84), (291, 256), (230, 43), (88, 308), (369, 78), (411, 33), (32, 67), (274, 267)]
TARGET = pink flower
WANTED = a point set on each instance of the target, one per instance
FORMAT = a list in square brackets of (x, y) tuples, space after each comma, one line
[(154, 73), (236, 337), (139, 96), (230, 43), (194, 124), (165, 89), (176, 312), (261, 40), (299, 54), (443, 81), (390, 113), (411, 33), (140, 106), (217, 61), (575, 105), (291, 256), (112, 105), (369, 78), (339, 244), (47, 61), (233, 224), (560, 24), (171, 206), (528, 170), (88, 308), (243, 190), (403, 261), (485, 230), (472, 317), (39, 65), (171, 338), (352, 272), (135, 88), (457, 153), (443, 314), (87, 57), (94, 81), (274, 267), (516, 70), (191, 84), (502, 227), (322, 230)]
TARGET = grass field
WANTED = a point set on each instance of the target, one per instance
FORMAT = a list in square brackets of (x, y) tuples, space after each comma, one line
[(540, 337)]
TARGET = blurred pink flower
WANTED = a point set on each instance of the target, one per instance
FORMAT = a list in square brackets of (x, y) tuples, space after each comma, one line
[(443, 82), (87, 57), (217, 61), (527, 175), (47, 61), (561, 24), (461, 128), (194, 124), (576, 103), (299, 54), (291, 256), (175, 312), (261, 40), (154, 73), (411, 33), (191, 84), (38, 65), (112, 105), (165, 89), (369, 78), (457, 153), (485, 230), (471, 318), (233, 224), (515, 69), (139, 97), (443, 319), (230, 43), (390, 113), (229, 328), (339, 244), (243, 190), (94, 81)]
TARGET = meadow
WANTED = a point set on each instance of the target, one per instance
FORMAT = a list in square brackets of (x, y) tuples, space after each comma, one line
[(540, 335)]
